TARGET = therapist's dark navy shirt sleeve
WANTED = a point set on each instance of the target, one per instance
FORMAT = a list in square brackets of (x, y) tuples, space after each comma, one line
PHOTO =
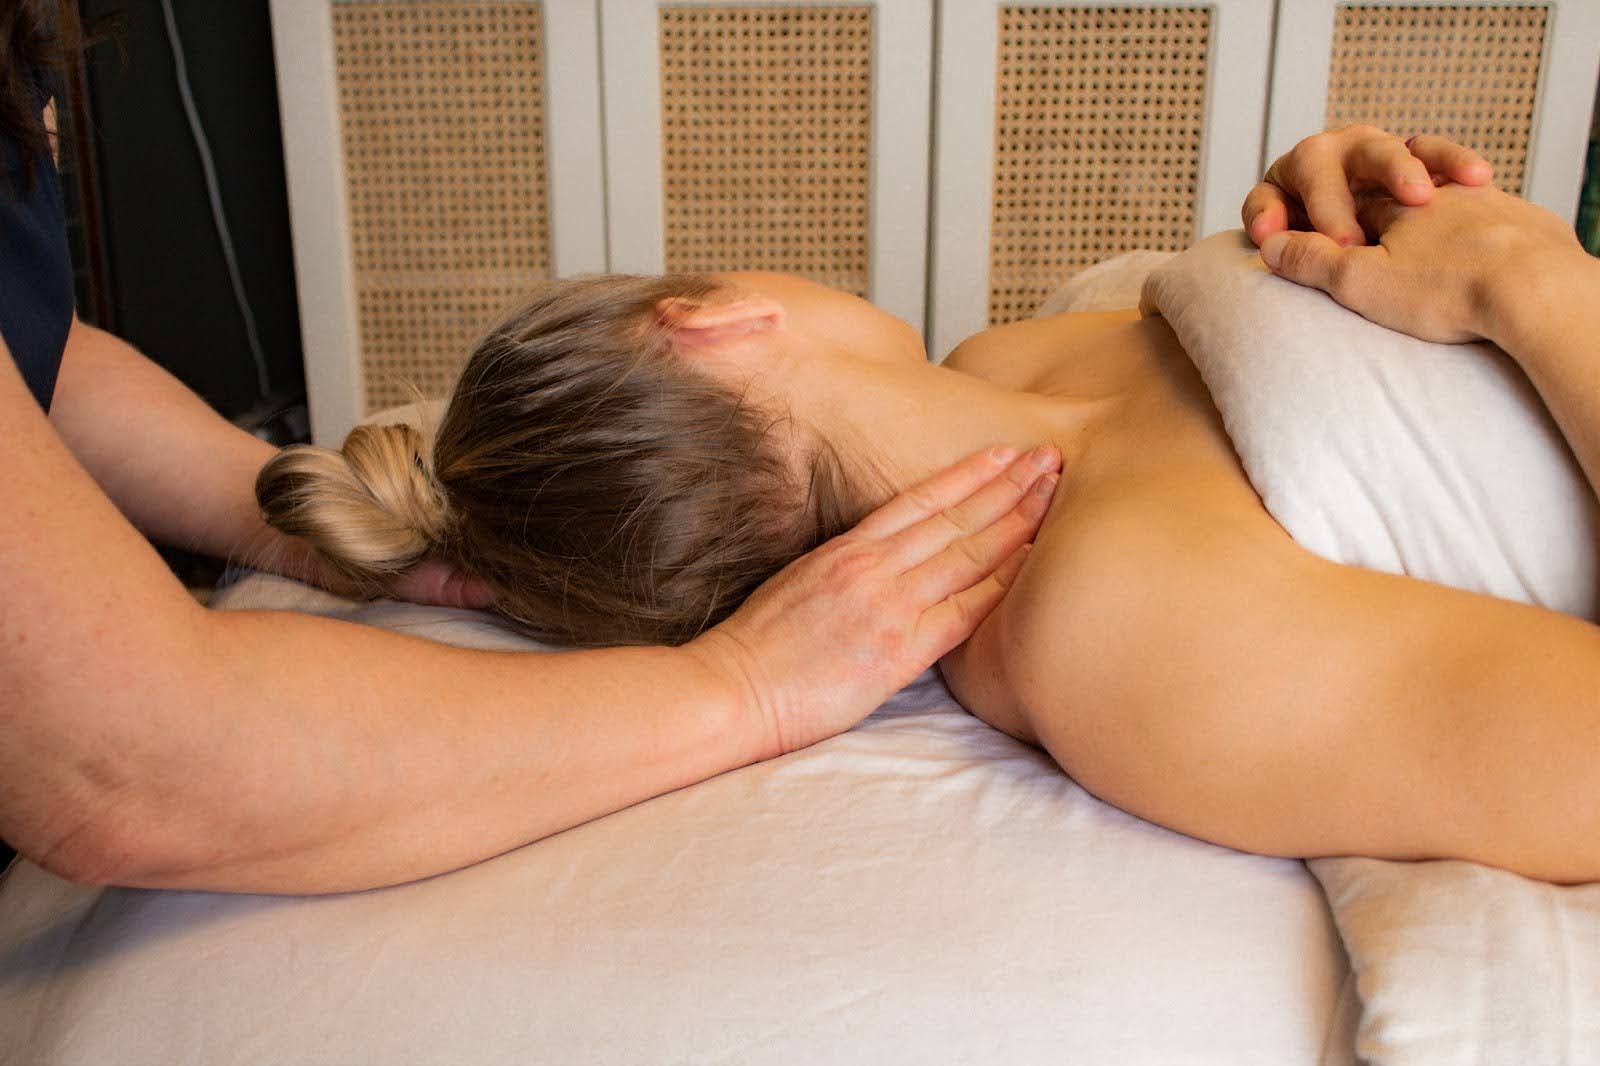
[(35, 270)]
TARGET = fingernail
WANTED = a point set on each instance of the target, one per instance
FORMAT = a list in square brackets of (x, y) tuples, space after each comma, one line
[(1272, 249), (1046, 486), (1002, 454), (1043, 457)]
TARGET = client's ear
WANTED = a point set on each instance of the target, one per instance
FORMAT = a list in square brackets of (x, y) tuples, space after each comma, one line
[(711, 325)]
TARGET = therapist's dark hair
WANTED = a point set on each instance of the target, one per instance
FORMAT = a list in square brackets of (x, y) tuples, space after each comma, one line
[(608, 490), (34, 36), (39, 39)]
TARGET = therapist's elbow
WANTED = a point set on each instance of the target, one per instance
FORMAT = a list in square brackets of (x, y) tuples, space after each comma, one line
[(112, 834), (115, 854), (106, 793), (99, 852)]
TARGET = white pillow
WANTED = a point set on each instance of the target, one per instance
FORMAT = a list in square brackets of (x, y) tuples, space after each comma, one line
[(1460, 963), (1380, 450)]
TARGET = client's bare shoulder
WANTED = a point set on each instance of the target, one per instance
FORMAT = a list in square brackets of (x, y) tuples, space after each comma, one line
[(1154, 491), (1020, 354)]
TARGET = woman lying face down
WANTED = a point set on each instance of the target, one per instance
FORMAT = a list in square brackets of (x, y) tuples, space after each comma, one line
[(626, 458), (616, 492)]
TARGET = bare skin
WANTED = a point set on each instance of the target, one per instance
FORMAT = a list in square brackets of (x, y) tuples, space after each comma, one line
[(147, 741), (1167, 642), (1184, 659)]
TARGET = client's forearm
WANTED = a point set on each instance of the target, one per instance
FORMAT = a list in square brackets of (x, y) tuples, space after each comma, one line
[(308, 755), (1551, 325)]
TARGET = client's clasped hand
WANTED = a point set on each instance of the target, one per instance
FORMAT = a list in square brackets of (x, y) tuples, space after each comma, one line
[(1462, 261)]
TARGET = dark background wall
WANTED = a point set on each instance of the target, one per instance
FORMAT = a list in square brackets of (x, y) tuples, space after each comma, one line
[(168, 285)]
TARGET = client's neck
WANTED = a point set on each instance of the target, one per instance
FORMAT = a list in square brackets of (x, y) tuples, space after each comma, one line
[(898, 423)]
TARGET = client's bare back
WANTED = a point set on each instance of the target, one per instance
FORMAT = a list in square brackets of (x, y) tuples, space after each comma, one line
[(1180, 656)]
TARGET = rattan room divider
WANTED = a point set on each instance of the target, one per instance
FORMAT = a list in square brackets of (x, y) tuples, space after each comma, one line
[(1071, 131), (781, 136), (428, 186), (952, 160)]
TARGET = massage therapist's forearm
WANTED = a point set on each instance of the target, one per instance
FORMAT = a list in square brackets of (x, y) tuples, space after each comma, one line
[(145, 740), (327, 756), (176, 469), (1550, 323)]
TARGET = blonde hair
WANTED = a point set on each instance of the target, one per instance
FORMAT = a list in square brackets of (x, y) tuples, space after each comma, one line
[(605, 489)]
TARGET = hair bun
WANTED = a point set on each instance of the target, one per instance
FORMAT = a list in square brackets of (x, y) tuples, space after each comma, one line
[(372, 509)]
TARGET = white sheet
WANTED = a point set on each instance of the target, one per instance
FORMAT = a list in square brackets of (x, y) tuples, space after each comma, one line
[(922, 889)]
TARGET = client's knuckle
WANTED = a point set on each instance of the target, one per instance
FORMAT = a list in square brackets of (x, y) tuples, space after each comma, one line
[(1318, 144), (1311, 143), (1293, 261), (1344, 280), (1257, 200)]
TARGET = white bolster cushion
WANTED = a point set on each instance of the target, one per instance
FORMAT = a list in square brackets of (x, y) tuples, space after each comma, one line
[(1380, 450)]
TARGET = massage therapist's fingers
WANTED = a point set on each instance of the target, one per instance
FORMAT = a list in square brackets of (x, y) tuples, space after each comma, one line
[(839, 630), (1006, 499), (1449, 161), (967, 560), (954, 619), (434, 583), (943, 490)]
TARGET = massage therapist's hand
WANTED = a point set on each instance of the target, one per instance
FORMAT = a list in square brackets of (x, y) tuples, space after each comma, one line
[(837, 632), (1473, 263), (430, 583), (435, 583), (1317, 183)]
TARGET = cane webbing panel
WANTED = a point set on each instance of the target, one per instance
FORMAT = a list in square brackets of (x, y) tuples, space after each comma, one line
[(766, 140), (442, 109), (1098, 116), (1470, 73)]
